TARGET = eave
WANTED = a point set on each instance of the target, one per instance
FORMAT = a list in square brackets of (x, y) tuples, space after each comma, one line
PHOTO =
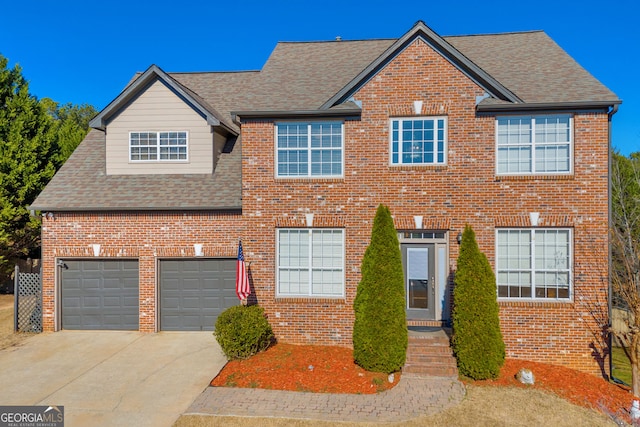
[(152, 74), (546, 106), (344, 113)]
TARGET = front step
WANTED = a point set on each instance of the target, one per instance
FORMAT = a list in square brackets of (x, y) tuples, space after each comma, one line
[(429, 353)]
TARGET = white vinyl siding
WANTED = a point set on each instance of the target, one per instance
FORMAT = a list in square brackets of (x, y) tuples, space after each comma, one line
[(534, 145), (310, 263), (419, 141), (309, 149), (534, 264), (158, 109)]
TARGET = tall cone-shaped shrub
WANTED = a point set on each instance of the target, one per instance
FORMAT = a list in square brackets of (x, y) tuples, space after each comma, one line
[(477, 340), (380, 333)]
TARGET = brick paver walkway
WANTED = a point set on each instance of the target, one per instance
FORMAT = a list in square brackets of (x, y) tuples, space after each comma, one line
[(412, 397)]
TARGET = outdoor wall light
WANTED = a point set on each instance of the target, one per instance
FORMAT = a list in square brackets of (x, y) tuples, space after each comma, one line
[(459, 238)]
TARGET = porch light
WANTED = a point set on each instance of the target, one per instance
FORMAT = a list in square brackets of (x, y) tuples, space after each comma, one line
[(459, 238), (418, 220)]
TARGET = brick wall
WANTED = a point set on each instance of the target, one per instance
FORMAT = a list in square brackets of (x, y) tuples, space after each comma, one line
[(143, 236), (465, 191)]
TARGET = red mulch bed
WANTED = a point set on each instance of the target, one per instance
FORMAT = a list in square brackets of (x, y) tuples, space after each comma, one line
[(577, 387), (317, 369), (323, 369)]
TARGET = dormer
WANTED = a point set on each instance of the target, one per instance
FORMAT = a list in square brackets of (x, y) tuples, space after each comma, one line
[(158, 126)]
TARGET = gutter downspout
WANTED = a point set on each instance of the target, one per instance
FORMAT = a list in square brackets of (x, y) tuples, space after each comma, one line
[(612, 111)]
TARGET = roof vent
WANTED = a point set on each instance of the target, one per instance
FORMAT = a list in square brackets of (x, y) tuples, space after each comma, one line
[(338, 38)]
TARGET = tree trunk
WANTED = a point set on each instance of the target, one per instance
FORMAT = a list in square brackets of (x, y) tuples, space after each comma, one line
[(635, 379)]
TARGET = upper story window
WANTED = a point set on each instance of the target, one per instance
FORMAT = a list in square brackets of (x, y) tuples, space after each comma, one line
[(534, 263), (534, 144), (309, 149), (419, 141), (310, 262), (158, 146)]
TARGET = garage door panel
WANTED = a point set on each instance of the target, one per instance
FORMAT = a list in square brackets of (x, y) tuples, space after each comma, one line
[(100, 294), (192, 292)]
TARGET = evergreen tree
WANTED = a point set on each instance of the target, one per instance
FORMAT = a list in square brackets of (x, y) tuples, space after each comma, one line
[(36, 137), (380, 335), (26, 148), (477, 340)]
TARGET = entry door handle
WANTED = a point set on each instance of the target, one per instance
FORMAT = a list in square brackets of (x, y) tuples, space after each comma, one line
[(433, 283)]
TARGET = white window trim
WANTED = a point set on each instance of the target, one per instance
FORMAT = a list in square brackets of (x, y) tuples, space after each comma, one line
[(533, 298), (310, 294), (533, 145), (309, 148), (432, 118), (158, 160)]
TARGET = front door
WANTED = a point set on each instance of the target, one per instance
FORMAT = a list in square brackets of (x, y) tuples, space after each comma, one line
[(420, 280)]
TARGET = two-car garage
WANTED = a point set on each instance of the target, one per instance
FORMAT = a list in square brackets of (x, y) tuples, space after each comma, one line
[(104, 294)]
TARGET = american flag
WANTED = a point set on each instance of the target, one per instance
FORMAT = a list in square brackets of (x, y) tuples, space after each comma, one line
[(242, 279)]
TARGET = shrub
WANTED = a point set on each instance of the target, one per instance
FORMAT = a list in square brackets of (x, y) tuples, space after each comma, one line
[(243, 331), (477, 340), (380, 333)]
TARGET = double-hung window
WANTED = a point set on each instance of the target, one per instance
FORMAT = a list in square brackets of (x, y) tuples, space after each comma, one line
[(534, 144), (310, 263), (534, 263), (158, 146), (419, 141), (309, 149)]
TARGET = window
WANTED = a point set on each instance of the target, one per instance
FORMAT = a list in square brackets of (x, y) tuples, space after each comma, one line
[(309, 149), (538, 144), (157, 146), (534, 264), (418, 141), (310, 262)]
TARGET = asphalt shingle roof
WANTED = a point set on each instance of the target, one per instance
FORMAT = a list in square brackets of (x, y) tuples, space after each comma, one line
[(303, 76)]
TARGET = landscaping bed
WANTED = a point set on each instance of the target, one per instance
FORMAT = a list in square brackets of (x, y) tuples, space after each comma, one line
[(322, 369)]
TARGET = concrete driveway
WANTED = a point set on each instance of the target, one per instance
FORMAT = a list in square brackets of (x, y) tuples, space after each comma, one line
[(105, 378)]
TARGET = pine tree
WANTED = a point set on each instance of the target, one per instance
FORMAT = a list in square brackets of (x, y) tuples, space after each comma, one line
[(380, 335), (477, 340)]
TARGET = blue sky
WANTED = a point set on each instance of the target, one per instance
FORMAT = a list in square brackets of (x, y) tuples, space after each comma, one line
[(86, 52)]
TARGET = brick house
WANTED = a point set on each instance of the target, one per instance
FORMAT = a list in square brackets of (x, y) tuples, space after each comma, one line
[(504, 132)]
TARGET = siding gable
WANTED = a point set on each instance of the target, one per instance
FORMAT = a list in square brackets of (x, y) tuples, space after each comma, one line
[(157, 108)]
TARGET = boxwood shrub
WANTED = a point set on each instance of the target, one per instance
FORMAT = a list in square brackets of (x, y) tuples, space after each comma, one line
[(243, 331)]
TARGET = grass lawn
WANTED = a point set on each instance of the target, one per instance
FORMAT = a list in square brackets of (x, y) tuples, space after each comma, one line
[(621, 365)]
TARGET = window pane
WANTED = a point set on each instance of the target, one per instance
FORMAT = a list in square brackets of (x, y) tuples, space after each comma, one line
[(421, 141), (547, 268), (325, 257), (295, 156), (540, 144)]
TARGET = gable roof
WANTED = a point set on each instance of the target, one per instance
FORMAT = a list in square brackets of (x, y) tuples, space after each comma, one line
[(525, 70), (82, 184), (440, 45), (535, 68), (151, 75)]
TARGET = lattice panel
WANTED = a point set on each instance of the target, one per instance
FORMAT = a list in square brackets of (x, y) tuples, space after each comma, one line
[(29, 294)]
